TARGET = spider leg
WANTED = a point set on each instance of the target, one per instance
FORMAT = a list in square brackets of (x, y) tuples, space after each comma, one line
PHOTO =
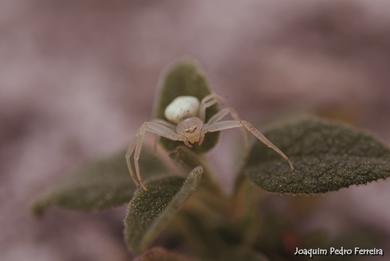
[(222, 114), (207, 102), (134, 151), (165, 123), (213, 99), (129, 152), (213, 96), (187, 144), (230, 124)]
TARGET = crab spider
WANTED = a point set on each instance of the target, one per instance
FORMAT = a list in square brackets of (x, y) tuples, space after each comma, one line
[(187, 123)]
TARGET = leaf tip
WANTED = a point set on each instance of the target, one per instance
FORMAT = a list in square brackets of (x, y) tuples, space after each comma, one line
[(197, 172)]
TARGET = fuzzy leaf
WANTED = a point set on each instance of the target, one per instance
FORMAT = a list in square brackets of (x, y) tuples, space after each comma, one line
[(186, 158), (161, 254), (101, 184), (184, 79), (327, 156), (149, 211)]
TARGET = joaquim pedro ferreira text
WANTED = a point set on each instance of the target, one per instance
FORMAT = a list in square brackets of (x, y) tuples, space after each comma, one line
[(338, 251)]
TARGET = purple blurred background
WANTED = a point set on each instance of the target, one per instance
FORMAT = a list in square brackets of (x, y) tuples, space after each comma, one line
[(77, 78)]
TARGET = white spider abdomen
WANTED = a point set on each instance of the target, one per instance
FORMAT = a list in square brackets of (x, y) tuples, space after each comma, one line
[(182, 107)]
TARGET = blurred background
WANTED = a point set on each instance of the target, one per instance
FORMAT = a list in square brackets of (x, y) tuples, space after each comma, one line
[(77, 78)]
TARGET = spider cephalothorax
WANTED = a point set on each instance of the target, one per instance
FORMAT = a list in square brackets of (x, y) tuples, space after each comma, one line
[(186, 122), (191, 129)]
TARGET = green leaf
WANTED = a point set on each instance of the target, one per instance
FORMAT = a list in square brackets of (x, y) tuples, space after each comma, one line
[(327, 156), (161, 254), (187, 159), (101, 184), (150, 211), (184, 79)]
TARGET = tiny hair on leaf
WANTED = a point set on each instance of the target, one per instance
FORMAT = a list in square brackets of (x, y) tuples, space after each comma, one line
[(149, 211), (327, 156)]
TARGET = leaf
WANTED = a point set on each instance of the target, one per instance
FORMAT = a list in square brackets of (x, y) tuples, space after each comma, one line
[(184, 79), (327, 156), (101, 184), (161, 254), (187, 159), (150, 211), (209, 200)]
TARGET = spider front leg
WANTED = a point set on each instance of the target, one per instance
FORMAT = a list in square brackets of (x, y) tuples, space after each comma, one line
[(213, 99), (225, 112), (225, 125), (134, 151), (207, 102), (166, 124)]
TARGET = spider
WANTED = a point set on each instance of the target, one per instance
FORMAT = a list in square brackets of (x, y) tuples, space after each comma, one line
[(186, 117)]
